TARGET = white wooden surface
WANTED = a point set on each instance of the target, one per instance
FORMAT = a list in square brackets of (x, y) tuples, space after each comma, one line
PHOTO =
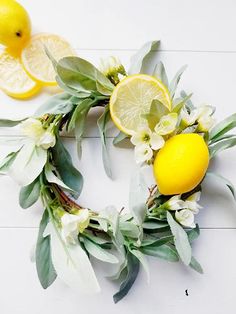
[(200, 33)]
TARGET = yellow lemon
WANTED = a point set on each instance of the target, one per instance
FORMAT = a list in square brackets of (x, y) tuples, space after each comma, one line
[(132, 98), (181, 164), (15, 25), (14, 81)]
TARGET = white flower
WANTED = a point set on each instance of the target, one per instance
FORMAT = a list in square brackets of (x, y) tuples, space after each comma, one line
[(205, 119), (188, 118), (145, 136), (191, 202), (175, 203), (167, 124), (111, 66), (143, 153), (185, 217), (73, 224), (33, 129)]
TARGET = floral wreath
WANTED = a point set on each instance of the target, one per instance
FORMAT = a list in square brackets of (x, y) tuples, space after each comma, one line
[(173, 138)]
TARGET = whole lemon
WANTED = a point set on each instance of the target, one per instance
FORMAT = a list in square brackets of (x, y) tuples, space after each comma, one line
[(15, 25), (181, 164)]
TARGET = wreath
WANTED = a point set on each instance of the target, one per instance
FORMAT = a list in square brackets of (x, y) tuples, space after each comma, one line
[(170, 135)]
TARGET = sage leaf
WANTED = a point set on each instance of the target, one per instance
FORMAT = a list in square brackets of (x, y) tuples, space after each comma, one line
[(156, 242), (160, 73), (102, 123), (29, 194), (222, 179), (99, 253), (221, 145), (71, 263), (28, 164), (164, 251), (137, 61), (79, 74), (119, 138), (142, 258), (193, 234), (129, 229), (175, 81), (132, 273), (189, 102), (58, 104), (179, 105), (222, 127), (45, 269), (154, 225), (68, 173), (157, 110), (180, 239), (80, 93), (196, 265), (7, 162), (52, 178), (4, 123)]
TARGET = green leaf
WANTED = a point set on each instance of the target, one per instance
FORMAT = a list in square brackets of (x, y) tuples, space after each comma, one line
[(102, 123), (137, 61), (196, 265), (222, 145), (222, 179), (164, 251), (179, 105), (45, 269), (63, 163), (129, 229), (132, 273), (80, 93), (52, 178), (154, 225), (7, 162), (99, 253), (193, 234), (29, 194), (119, 138), (180, 239), (58, 104), (189, 103), (142, 258), (160, 73), (4, 123), (223, 127), (156, 242), (174, 83), (79, 74), (157, 110)]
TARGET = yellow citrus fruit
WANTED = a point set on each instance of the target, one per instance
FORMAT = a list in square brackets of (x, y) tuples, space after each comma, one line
[(15, 25), (132, 98), (14, 81), (181, 164), (37, 63)]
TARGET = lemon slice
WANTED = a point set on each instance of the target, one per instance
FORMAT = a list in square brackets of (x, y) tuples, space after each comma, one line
[(14, 81), (132, 98), (37, 63)]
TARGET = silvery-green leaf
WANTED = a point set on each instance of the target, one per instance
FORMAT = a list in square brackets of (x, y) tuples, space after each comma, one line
[(137, 61), (99, 253), (119, 138), (153, 225), (111, 215), (138, 194), (102, 123), (132, 273), (156, 242), (29, 194), (52, 178), (179, 105), (160, 73), (45, 269), (222, 179), (174, 83), (221, 145), (7, 162), (142, 258), (79, 74), (28, 164), (80, 93), (223, 127), (157, 110), (58, 104), (4, 123), (196, 265), (68, 173), (72, 265), (189, 103), (163, 251), (96, 239), (193, 234), (180, 239), (129, 229)]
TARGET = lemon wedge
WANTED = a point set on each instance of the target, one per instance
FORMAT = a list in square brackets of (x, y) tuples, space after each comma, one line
[(14, 81), (37, 63), (132, 98)]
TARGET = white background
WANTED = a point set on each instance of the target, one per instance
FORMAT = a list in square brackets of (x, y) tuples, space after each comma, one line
[(198, 33)]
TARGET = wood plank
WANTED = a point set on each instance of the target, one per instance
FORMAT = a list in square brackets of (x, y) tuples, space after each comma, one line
[(212, 292)]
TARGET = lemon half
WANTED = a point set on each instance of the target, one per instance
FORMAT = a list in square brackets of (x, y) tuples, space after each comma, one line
[(14, 81), (132, 98), (37, 63)]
